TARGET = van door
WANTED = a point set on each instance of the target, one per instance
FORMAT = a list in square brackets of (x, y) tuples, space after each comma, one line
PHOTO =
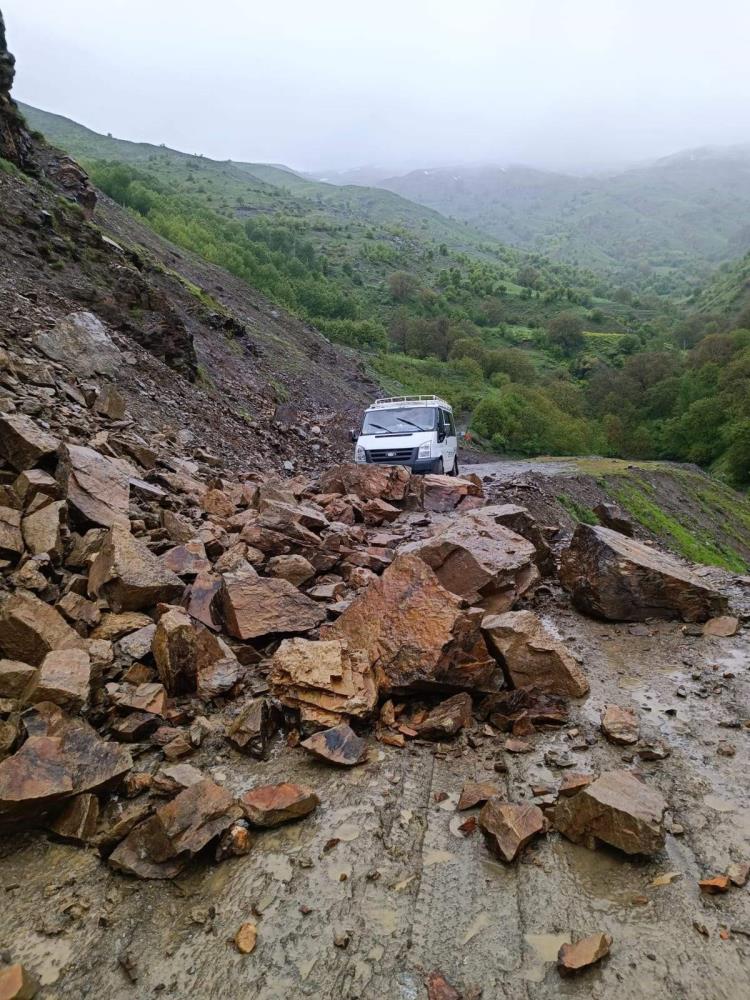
[(450, 441)]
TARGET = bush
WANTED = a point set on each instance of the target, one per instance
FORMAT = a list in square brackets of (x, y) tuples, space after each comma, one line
[(524, 420), (365, 334)]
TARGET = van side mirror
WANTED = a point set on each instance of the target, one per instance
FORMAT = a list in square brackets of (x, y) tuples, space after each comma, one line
[(353, 436)]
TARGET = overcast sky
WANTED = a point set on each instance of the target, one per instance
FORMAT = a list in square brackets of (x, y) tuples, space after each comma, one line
[(320, 84)]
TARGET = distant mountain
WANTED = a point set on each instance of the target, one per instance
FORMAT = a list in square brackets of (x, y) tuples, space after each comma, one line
[(663, 225)]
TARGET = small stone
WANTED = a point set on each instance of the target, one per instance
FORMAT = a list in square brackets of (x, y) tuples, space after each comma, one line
[(17, 984), (508, 827), (272, 805), (712, 886), (447, 719), (738, 873), (573, 958), (476, 793), (722, 627), (339, 745), (246, 938), (574, 782), (620, 725)]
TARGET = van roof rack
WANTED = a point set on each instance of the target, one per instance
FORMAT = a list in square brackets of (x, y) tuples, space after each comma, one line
[(387, 401)]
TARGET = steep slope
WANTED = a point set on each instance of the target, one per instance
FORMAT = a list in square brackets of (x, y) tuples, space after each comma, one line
[(676, 217)]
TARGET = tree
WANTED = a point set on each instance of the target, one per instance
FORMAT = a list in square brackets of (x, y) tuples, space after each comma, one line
[(401, 285), (566, 333), (528, 277)]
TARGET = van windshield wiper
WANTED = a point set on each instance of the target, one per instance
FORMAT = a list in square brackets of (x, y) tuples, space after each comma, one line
[(411, 424), (380, 427)]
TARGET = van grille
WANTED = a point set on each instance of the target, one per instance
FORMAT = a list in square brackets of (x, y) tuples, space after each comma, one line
[(392, 456)]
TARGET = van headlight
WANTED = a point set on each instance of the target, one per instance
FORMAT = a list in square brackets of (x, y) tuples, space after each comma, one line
[(424, 450), (360, 454)]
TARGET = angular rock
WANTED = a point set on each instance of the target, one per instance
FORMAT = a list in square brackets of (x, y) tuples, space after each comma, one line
[(573, 958), (115, 626), (29, 629), (620, 725), (246, 938), (294, 568), (176, 778), (15, 677), (134, 727), (384, 482), (137, 645), (438, 988), (129, 576), (175, 649), (78, 820), (42, 530), (254, 606), (475, 793), (573, 782), (617, 809), (738, 873), (480, 560), (17, 984), (447, 719), (723, 627), (518, 520), (201, 598), (133, 854), (110, 403), (444, 493), (62, 757), (508, 827), (339, 745), (64, 678), (715, 885), (272, 805), (377, 511), (610, 516), (323, 680), (254, 728), (531, 655), (187, 560), (23, 444), (415, 632), (79, 612), (147, 697), (617, 578), (11, 539), (33, 483), (97, 487), (217, 502), (81, 341)]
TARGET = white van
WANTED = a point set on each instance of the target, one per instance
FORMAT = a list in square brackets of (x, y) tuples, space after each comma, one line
[(416, 431)]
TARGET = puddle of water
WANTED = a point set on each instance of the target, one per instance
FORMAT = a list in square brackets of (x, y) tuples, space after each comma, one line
[(436, 857), (544, 949), (477, 925)]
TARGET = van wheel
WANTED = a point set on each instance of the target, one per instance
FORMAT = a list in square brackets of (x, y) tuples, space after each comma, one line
[(438, 468), (454, 471)]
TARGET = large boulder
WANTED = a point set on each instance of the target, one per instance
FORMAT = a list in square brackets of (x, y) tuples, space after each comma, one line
[(443, 493), (508, 827), (29, 629), (64, 678), (614, 577), (11, 539), (129, 576), (531, 655), (323, 680), (175, 649), (480, 560), (518, 519), (42, 530), (61, 758), (617, 809), (254, 606), (23, 443), (81, 341), (415, 632), (97, 487), (368, 482)]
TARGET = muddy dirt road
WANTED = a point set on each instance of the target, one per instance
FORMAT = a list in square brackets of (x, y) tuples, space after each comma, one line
[(401, 892)]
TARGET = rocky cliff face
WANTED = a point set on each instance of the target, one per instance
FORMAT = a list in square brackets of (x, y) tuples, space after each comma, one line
[(15, 140)]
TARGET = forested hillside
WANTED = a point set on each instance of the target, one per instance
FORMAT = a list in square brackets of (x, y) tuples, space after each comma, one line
[(660, 227), (538, 356)]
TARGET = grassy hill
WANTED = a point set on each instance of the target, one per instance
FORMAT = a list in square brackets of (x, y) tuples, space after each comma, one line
[(661, 227)]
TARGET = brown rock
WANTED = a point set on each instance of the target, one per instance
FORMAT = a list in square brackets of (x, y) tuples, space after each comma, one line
[(97, 487), (254, 728), (132, 856), (573, 782), (447, 719), (17, 984), (339, 745), (294, 568), (475, 793), (29, 629), (246, 938), (176, 778), (78, 820), (415, 632), (738, 873), (78, 611), (438, 988), (508, 827), (146, 697), (11, 539), (573, 958), (520, 521), (33, 483), (272, 805), (722, 627), (614, 577), (175, 649), (384, 482), (217, 502), (15, 677), (617, 809), (137, 645), (531, 655), (134, 727), (377, 511), (620, 725), (201, 599), (253, 606), (480, 560), (443, 493), (62, 757), (187, 560), (23, 444), (110, 402), (323, 680), (235, 842), (713, 886), (129, 576), (64, 678)]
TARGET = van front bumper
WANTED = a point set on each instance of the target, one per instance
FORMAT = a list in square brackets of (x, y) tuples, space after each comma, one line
[(404, 457)]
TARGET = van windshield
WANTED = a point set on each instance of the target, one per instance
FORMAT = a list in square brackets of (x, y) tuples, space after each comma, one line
[(403, 421)]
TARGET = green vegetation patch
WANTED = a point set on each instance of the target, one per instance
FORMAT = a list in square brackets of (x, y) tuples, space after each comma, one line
[(578, 511)]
